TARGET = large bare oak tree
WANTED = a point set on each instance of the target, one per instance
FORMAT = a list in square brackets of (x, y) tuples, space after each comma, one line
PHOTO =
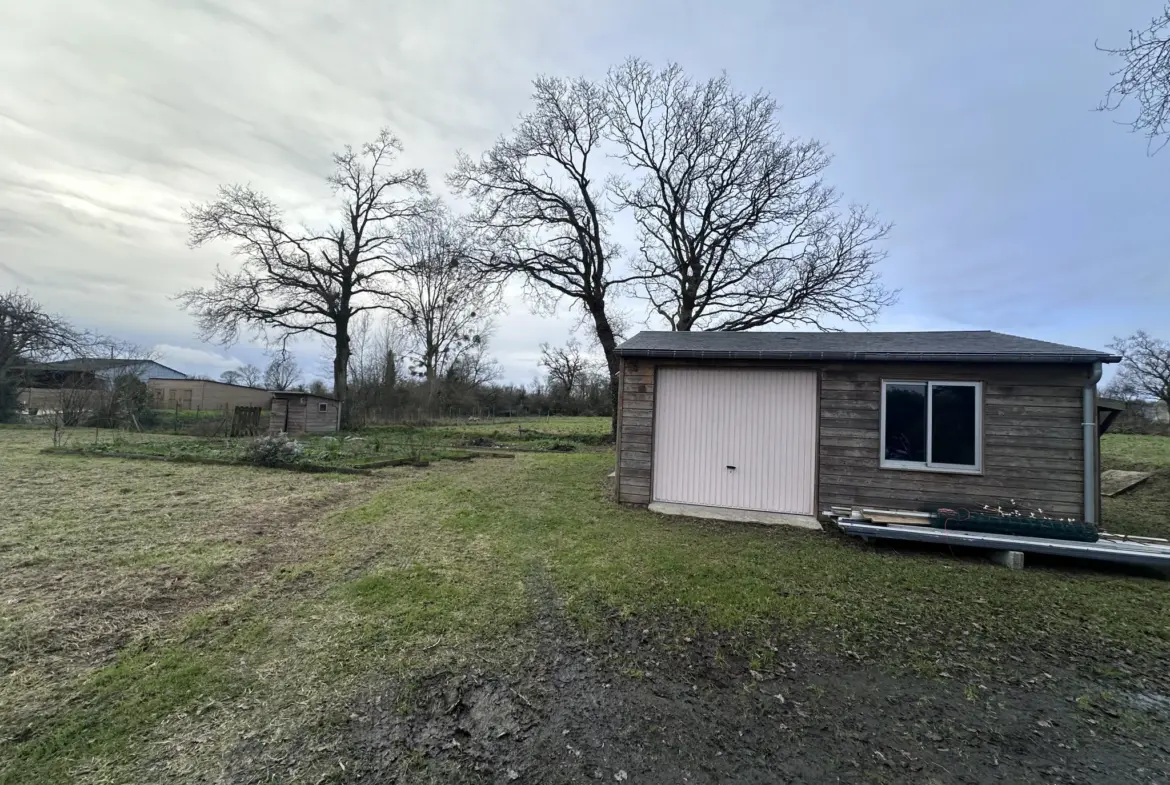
[(737, 229), (541, 203), (1144, 77), (294, 280)]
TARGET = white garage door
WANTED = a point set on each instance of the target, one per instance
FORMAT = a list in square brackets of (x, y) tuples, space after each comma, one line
[(732, 438)]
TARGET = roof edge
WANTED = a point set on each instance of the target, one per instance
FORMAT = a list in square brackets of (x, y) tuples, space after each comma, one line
[(1055, 358), (297, 393)]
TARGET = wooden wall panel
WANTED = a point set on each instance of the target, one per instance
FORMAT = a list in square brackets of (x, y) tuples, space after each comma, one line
[(1032, 439)]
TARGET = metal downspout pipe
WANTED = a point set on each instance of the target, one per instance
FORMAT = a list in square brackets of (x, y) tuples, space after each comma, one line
[(1089, 425)]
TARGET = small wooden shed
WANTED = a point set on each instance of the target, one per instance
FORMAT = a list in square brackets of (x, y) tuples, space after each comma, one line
[(778, 427), (301, 412)]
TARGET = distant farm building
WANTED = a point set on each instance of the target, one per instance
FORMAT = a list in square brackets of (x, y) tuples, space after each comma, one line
[(75, 384), (205, 395)]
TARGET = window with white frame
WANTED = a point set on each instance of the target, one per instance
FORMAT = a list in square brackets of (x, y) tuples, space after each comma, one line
[(934, 426)]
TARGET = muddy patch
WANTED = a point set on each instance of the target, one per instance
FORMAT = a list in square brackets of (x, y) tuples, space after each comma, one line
[(639, 712)]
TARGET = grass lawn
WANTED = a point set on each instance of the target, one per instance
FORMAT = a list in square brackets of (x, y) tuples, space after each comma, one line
[(1145, 509), (164, 622), (373, 445)]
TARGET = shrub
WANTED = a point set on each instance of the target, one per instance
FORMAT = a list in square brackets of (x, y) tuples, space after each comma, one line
[(274, 450), (9, 393)]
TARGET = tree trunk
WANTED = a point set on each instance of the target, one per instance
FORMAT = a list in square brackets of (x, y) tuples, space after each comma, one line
[(688, 297), (340, 372), (608, 343)]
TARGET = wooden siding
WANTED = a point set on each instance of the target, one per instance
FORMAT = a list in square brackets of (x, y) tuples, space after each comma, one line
[(276, 418), (1032, 437), (317, 421), (304, 415), (635, 439)]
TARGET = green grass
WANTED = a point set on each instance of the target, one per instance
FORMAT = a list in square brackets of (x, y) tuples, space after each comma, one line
[(162, 615), (1131, 450), (372, 445), (528, 433), (1145, 509)]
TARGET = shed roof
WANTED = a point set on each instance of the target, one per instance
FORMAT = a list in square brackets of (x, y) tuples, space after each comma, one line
[(300, 394), (941, 346)]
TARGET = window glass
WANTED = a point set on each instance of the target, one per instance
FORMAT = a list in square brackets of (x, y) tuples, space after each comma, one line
[(905, 422), (952, 436)]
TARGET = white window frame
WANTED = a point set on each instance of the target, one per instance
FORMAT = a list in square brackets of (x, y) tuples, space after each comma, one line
[(929, 465)]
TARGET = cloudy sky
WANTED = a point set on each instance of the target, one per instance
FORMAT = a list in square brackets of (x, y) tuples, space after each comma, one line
[(968, 125)]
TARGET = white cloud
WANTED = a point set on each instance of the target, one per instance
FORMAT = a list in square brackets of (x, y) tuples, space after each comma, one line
[(1015, 208), (195, 361)]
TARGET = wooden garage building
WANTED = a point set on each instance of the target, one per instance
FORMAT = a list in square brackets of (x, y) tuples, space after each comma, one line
[(778, 427), (301, 412)]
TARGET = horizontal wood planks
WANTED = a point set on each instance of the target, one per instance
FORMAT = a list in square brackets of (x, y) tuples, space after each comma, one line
[(1032, 441), (635, 438)]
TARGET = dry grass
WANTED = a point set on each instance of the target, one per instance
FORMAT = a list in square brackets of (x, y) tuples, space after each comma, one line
[(158, 617), (98, 556)]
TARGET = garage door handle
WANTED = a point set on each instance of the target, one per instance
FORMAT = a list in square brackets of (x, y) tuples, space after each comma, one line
[(730, 466)]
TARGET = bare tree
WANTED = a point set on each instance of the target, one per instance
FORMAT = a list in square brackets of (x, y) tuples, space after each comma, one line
[(230, 377), (28, 333), (541, 202), (567, 366), (282, 371), (737, 229), (377, 350), (444, 300), (250, 375), (1144, 76), (1145, 367), (475, 367), (374, 371), (296, 280)]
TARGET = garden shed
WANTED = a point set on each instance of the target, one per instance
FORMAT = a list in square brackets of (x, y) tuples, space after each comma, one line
[(296, 412), (779, 427)]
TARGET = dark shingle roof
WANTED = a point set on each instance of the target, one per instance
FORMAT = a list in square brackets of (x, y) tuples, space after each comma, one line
[(958, 346), (300, 394)]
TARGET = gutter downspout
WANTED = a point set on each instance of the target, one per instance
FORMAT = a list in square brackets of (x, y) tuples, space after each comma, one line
[(1089, 424)]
